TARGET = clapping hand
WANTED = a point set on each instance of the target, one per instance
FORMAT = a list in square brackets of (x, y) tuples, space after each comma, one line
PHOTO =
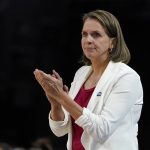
[(52, 84)]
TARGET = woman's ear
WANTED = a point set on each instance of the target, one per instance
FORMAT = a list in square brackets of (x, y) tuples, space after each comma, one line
[(113, 42)]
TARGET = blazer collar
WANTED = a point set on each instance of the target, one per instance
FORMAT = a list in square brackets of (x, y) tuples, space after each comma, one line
[(108, 73), (107, 76), (82, 78)]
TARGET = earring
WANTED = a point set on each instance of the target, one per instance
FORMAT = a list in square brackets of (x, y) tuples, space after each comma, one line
[(110, 50)]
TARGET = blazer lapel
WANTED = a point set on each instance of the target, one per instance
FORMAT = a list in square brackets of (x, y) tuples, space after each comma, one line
[(97, 98), (79, 82)]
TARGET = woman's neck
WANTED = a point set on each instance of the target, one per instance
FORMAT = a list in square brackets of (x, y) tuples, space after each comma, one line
[(95, 75), (99, 67)]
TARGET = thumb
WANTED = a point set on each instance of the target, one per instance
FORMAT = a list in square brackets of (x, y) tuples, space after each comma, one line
[(65, 88)]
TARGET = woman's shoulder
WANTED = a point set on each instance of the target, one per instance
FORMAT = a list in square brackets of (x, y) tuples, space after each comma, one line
[(82, 70), (126, 69)]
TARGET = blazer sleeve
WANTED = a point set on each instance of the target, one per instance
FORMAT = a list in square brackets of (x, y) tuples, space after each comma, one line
[(126, 92), (60, 128)]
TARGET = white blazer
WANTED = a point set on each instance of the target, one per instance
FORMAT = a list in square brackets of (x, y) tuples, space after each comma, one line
[(110, 121)]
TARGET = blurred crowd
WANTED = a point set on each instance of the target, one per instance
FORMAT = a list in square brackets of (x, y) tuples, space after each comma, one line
[(43, 143)]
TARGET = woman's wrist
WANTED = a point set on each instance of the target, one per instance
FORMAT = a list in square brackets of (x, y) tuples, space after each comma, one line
[(55, 106), (57, 113)]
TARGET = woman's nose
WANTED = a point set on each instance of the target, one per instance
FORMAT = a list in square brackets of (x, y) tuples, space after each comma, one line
[(89, 38)]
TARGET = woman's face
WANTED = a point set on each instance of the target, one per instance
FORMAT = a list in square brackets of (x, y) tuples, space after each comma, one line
[(95, 42)]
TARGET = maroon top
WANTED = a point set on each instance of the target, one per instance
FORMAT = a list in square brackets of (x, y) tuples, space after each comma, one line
[(82, 99)]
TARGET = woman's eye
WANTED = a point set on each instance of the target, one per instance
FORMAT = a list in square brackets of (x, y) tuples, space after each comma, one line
[(95, 35), (84, 34)]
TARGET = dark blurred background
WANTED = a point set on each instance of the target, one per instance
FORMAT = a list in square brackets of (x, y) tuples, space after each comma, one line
[(46, 35)]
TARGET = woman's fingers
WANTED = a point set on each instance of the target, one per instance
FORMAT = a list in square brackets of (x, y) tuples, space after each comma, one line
[(56, 75), (42, 78), (49, 82), (37, 74)]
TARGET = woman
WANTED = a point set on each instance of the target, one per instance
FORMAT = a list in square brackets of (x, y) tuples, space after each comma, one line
[(104, 103)]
